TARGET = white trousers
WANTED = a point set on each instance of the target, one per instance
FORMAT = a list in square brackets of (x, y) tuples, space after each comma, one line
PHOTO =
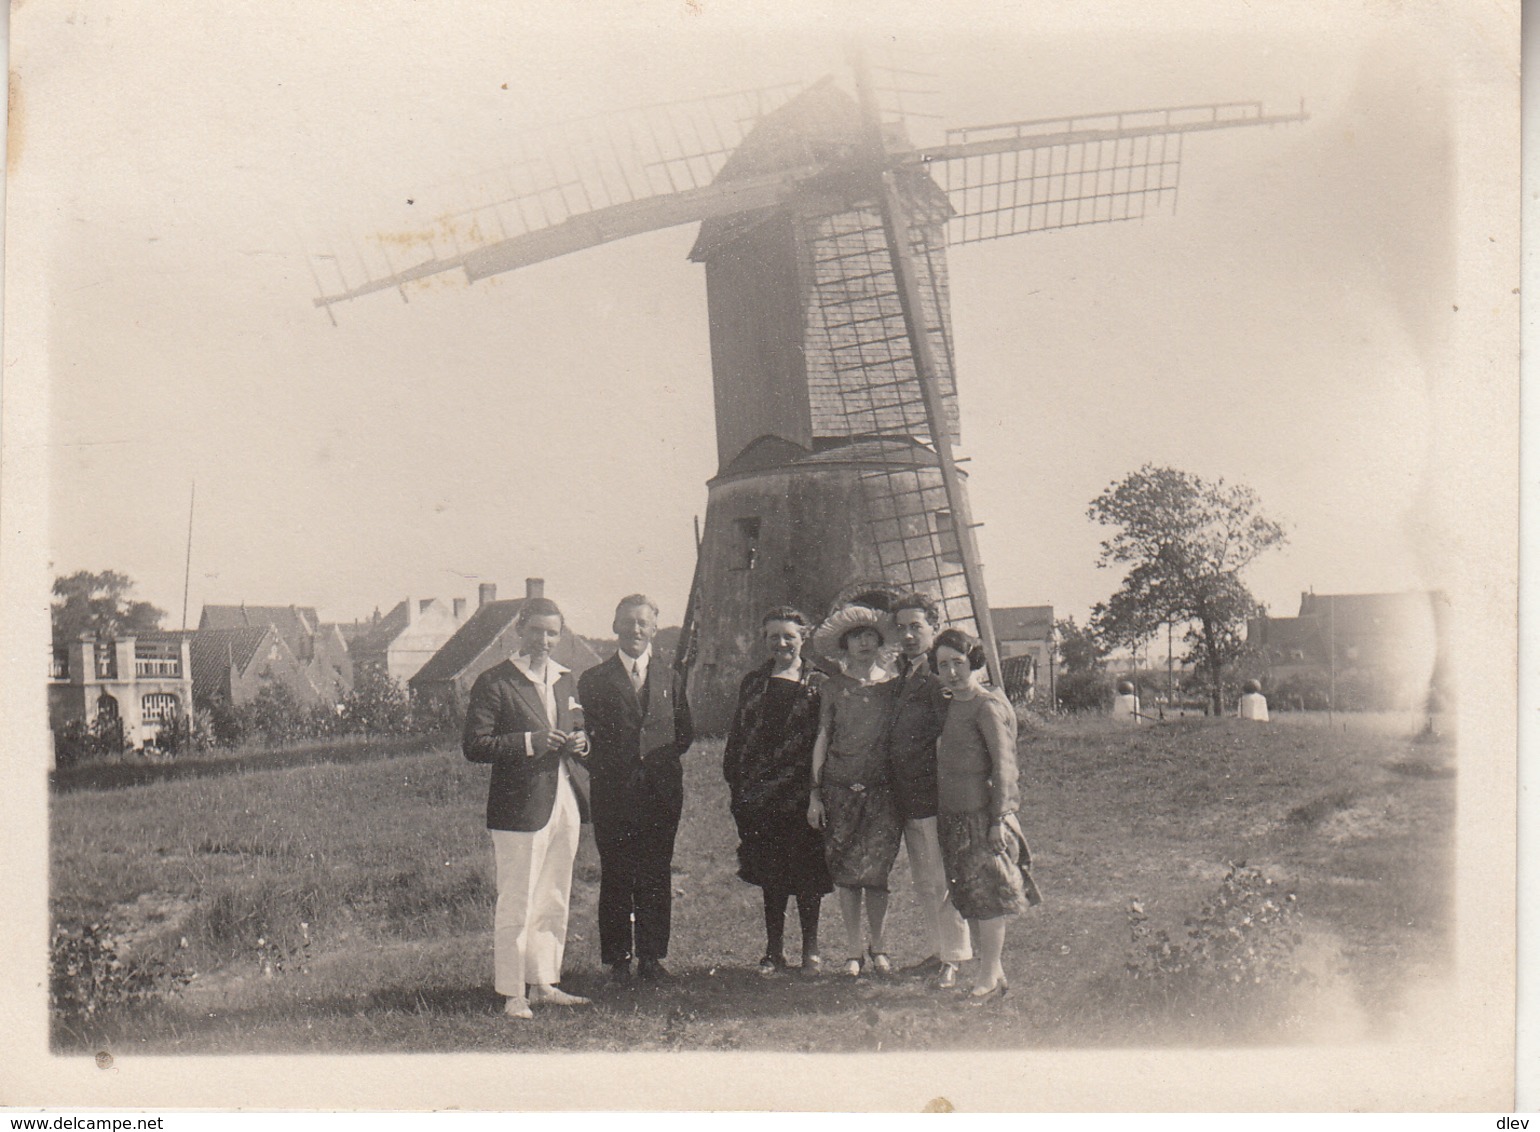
[(534, 887), (948, 930)]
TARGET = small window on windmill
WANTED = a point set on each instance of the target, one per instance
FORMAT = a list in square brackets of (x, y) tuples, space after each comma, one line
[(946, 536), (747, 550)]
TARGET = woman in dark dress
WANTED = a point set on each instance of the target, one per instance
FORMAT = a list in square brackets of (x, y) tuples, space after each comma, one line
[(768, 764)]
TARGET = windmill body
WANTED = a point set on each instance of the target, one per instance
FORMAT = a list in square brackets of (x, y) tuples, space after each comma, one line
[(825, 477), (824, 240)]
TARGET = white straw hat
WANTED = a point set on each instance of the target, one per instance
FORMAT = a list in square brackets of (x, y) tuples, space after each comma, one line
[(827, 637)]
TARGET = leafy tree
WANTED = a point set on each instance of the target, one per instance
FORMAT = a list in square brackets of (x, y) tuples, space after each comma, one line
[(1186, 541), (99, 603), (274, 713), (1080, 650), (377, 704)]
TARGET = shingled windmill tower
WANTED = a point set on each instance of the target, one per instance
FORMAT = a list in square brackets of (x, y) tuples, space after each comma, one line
[(824, 236), (827, 476)]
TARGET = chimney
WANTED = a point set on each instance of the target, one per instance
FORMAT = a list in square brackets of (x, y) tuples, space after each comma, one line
[(411, 612), (459, 609), (486, 592), (534, 587)]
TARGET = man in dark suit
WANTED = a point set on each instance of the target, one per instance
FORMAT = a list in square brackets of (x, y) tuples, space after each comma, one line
[(520, 719), (638, 728)]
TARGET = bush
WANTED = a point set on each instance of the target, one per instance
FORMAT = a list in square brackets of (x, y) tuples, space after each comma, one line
[(377, 705), (1302, 691), (1085, 691), (186, 734), (90, 972), (1238, 955), (78, 741)]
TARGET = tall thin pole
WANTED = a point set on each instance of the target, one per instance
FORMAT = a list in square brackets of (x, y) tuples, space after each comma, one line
[(895, 225), (1331, 653), (1170, 670), (187, 570)]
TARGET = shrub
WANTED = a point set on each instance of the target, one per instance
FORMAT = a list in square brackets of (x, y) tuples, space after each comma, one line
[(1301, 691), (78, 741), (1238, 954), (91, 972), (186, 733), (376, 705), (1085, 691)]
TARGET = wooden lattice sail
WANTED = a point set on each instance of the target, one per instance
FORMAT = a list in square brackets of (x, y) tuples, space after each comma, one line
[(831, 343)]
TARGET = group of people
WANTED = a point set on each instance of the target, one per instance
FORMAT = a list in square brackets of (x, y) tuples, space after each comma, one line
[(873, 729)]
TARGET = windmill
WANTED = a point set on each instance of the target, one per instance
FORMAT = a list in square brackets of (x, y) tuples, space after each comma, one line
[(823, 232)]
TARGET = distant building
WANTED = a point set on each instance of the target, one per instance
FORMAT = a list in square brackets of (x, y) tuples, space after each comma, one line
[(406, 638), (231, 666), (319, 649), (1382, 650), (138, 683), (489, 637), (1024, 634)]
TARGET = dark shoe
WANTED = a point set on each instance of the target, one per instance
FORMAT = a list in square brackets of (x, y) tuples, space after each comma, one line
[(621, 972), (924, 968), (652, 971), (978, 996), (772, 965), (812, 966)]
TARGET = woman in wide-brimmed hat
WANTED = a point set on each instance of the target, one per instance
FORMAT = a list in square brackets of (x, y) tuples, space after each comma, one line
[(852, 798)]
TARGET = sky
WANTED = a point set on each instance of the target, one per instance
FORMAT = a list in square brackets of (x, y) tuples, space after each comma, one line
[(1289, 327)]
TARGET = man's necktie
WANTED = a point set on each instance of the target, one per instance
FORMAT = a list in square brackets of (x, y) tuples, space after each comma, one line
[(636, 677)]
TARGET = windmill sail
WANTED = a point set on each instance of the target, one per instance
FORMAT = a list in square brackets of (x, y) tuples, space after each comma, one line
[(824, 237), (563, 188), (866, 375), (1033, 176)]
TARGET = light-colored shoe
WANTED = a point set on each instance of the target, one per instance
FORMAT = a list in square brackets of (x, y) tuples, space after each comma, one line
[(947, 980), (851, 968), (518, 1008), (880, 962), (554, 996)]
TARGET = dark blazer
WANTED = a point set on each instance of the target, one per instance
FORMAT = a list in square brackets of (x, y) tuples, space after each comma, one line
[(504, 707), (635, 742), (919, 713)]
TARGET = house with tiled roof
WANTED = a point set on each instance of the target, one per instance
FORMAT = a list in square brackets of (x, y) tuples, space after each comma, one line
[(406, 638), (231, 666), (320, 649), (1393, 644), (489, 637), (1024, 634)]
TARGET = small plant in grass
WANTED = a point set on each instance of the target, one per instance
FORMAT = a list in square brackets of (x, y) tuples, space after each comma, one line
[(91, 971), (1237, 956), (275, 958)]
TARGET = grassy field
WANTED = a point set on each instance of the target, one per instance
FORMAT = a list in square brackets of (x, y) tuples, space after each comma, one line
[(345, 907)]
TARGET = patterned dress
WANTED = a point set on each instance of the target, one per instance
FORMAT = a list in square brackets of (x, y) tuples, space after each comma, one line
[(862, 824), (972, 795), (768, 764)]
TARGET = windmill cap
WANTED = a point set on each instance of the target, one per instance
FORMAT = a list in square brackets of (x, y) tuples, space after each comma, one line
[(828, 638)]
